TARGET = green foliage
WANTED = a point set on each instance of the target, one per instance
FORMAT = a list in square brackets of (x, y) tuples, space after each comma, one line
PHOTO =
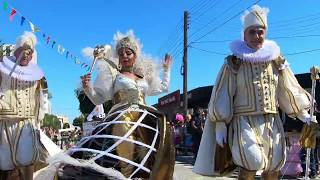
[(85, 104), (78, 121), (66, 125), (52, 121), (49, 95)]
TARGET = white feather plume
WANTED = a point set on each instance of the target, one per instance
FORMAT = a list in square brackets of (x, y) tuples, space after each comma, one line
[(26, 37), (148, 65), (118, 36), (87, 52)]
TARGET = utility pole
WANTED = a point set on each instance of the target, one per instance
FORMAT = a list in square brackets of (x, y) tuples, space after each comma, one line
[(185, 63)]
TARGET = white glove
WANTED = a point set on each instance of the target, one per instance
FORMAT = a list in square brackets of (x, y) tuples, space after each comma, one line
[(305, 117), (221, 133), (311, 119)]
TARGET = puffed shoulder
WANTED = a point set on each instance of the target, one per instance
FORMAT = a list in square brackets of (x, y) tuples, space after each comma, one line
[(233, 63), (44, 83), (280, 62)]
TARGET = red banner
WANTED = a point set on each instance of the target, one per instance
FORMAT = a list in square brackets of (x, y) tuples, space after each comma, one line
[(170, 99)]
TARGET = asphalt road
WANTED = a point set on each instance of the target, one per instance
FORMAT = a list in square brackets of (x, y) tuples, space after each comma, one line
[(184, 166)]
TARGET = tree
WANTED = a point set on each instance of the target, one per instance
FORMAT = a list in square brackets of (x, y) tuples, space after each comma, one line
[(78, 121), (66, 125), (86, 106), (49, 95), (52, 121)]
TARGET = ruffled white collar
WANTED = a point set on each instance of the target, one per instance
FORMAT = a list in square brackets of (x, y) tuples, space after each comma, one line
[(269, 51), (31, 72)]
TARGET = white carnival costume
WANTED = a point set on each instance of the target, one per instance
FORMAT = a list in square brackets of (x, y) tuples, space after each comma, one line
[(250, 87), (134, 138), (22, 108), (98, 54)]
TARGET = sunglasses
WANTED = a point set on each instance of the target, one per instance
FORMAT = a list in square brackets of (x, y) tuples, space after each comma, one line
[(254, 32), (127, 52)]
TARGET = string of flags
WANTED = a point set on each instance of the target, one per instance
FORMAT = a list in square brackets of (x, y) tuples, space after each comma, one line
[(48, 40)]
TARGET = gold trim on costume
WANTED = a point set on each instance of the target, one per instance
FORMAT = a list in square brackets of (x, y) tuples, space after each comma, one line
[(129, 96)]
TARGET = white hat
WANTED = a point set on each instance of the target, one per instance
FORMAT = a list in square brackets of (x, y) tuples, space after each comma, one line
[(256, 17), (127, 40), (30, 39), (26, 38)]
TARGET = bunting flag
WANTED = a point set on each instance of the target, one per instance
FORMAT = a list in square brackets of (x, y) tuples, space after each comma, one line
[(5, 5), (13, 12), (78, 61), (60, 49), (67, 54), (22, 20), (48, 40), (33, 28), (53, 43), (84, 65)]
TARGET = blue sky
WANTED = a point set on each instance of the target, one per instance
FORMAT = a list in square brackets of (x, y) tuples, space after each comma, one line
[(78, 24)]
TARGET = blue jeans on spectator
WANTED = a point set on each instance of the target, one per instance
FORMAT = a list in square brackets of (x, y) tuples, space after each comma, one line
[(313, 161)]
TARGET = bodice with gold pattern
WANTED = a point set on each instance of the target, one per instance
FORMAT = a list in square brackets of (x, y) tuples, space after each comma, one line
[(20, 98), (129, 96), (127, 90), (256, 89)]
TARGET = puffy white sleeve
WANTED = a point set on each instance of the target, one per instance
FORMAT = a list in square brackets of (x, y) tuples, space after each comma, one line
[(157, 85), (102, 89), (44, 106), (220, 108), (292, 98)]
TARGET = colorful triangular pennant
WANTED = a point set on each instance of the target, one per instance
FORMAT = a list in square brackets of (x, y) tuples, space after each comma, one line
[(12, 14), (22, 20)]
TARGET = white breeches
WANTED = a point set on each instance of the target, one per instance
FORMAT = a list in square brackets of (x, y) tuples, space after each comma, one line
[(18, 144), (257, 142)]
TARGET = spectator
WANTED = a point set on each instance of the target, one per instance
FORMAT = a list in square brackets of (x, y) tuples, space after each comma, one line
[(197, 129), (313, 162)]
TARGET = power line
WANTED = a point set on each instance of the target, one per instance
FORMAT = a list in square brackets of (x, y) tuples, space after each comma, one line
[(276, 37), (177, 45), (288, 21), (177, 48), (288, 54), (296, 36), (213, 41), (201, 5), (170, 39), (302, 26), (211, 52), (177, 55), (302, 52), (205, 11), (210, 22), (195, 5), (225, 22)]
